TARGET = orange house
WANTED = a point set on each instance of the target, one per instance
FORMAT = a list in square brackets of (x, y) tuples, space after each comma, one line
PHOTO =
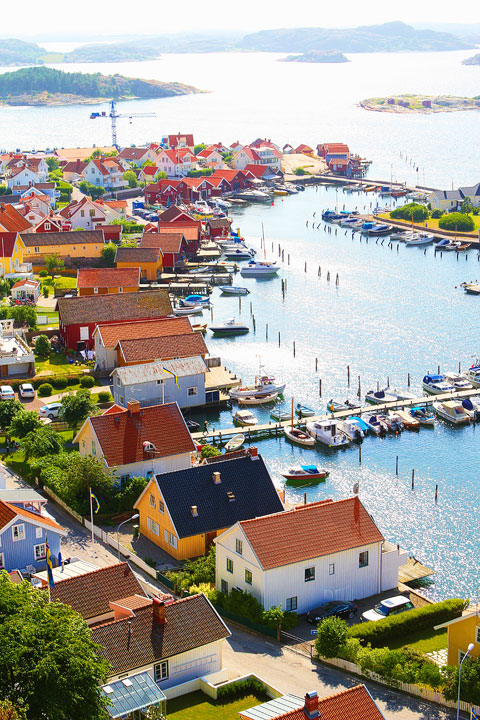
[(149, 260), (107, 281)]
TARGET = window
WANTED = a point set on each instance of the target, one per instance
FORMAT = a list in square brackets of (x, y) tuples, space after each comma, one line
[(84, 333), (83, 444), (47, 226), (309, 574), (192, 391), (40, 552), (161, 506), (151, 500), (331, 569), (124, 479), (82, 213), (38, 532), (160, 671), (239, 546), (223, 586), (120, 289), (477, 636), (153, 526), (74, 247), (363, 559), (229, 565), (248, 576), (18, 532), (291, 603), (36, 249), (95, 291), (94, 448), (92, 213), (2, 561), (170, 539)]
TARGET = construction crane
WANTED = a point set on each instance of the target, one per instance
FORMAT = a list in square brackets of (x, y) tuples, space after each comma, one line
[(114, 115)]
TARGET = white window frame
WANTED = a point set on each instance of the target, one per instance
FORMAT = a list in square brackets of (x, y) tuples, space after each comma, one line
[(43, 555), (36, 249), (38, 533), (161, 506), (84, 333), (95, 291), (151, 501), (170, 538), (331, 569), (192, 391), (153, 526), (120, 289), (18, 532), (229, 564), (293, 603), (160, 671)]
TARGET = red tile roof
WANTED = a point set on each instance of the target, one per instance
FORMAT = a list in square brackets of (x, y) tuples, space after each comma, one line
[(8, 512), (168, 347), (187, 139), (150, 170), (75, 166), (310, 531), (91, 593), (108, 277), (121, 435), (12, 220), (257, 170), (167, 242), (134, 330), (7, 243), (173, 212), (190, 230)]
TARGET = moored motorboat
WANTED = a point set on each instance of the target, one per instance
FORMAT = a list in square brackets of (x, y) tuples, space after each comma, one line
[(452, 411), (401, 394), (263, 384), (472, 407), (425, 418), (408, 421), (239, 254), (379, 397), (334, 406), (329, 432), (298, 436), (473, 374), (303, 475), (258, 399), (257, 268), (458, 381), (193, 300), (230, 328), (379, 230), (436, 384), (441, 244), (377, 424), (235, 443), (244, 418), (234, 290), (280, 415), (421, 239), (188, 310), (302, 411), (353, 429)]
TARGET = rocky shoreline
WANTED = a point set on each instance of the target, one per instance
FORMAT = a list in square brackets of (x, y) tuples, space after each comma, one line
[(424, 104)]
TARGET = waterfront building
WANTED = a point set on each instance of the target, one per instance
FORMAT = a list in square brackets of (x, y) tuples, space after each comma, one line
[(105, 281), (148, 260)]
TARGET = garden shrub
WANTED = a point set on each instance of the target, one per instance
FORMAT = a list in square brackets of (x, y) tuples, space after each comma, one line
[(43, 274), (456, 221), (331, 636), (44, 390), (410, 211), (241, 688), (59, 383), (72, 379), (87, 381), (382, 631), (437, 214), (104, 396), (207, 589), (209, 451)]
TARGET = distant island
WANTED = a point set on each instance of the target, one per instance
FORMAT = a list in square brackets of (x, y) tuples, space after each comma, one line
[(45, 86), (317, 56), (475, 60), (421, 104)]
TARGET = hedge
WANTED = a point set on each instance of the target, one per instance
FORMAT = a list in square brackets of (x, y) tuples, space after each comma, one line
[(382, 631), (456, 221), (411, 211), (104, 396), (241, 688), (87, 381), (44, 390)]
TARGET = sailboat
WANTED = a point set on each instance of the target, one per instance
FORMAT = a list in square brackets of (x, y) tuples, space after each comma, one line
[(259, 268)]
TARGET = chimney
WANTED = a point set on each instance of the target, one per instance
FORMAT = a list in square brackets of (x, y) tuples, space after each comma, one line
[(253, 452), (158, 607), (194, 510), (311, 705), (216, 478), (133, 407)]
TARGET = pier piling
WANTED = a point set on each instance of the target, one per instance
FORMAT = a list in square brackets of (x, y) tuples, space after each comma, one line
[(396, 466), (359, 454), (348, 375), (438, 372), (294, 348), (320, 387), (413, 478), (316, 364), (328, 276), (319, 271), (239, 304), (459, 368), (279, 338), (251, 310), (305, 267), (408, 380), (436, 493), (359, 393), (289, 258), (266, 331), (337, 280), (304, 498)]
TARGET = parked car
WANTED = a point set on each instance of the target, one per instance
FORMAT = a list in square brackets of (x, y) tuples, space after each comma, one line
[(390, 606), (340, 608), (6, 393), (26, 390), (51, 410)]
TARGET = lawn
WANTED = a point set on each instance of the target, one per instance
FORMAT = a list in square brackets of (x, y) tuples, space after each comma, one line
[(424, 641), (61, 281), (431, 222), (198, 706), (57, 364), (51, 315)]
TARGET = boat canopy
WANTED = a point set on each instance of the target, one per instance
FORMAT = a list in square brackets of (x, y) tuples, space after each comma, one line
[(433, 378)]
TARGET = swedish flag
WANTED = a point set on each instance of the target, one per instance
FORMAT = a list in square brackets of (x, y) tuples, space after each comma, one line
[(94, 497), (172, 374), (49, 564)]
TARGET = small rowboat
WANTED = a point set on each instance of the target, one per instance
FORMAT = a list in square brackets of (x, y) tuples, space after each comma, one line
[(200, 327), (425, 418), (258, 399), (189, 310), (280, 415), (234, 290), (298, 436), (303, 475), (304, 411), (235, 442)]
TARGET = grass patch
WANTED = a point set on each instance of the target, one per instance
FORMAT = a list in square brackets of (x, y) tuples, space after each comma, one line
[(198, 706), (424, 641), (57, 364), (431, 223), (61, 281)]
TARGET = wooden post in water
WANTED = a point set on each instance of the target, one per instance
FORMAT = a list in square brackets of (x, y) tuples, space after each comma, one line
[(266, 331), (289, 258), (438, 371), (279, 338), (359, 454), (328, 276), (305, 266), (359, 393), (239, 304), (459, 368), (396, 466), (337, 280), (320, 387), (388, 381), (304, 498), (294, 348), (436, 493), (319, 271), (283, 257), (413, 478), (316, 364), (378, 386), (251, 309), (272, 247), (254, 325), (408, 380), (348, 375)]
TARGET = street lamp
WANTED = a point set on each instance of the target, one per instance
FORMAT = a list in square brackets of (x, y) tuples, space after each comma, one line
[(469, 649), (134, 517)]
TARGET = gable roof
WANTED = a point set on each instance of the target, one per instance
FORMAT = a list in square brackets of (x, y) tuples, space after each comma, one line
[(104, 308), (121, 435), (246, 477), (90, 594), (174, 140), (133, 153), (12, 220), (108, 277), (9, 512), (137, 254), (164, 347), (150, 170), (149, 372), (81, 153), (166, 242), (75, 166), (134, 330), (7, 243), (310, 531), (77, 237), (33, 284), (258, 170), (190, 623), (174, 212)]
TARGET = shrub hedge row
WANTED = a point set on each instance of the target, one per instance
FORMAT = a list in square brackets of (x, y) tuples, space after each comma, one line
[(241, 688), (382, 631)]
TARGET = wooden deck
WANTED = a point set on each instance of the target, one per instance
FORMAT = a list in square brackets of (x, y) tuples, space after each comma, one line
[(413, 570)]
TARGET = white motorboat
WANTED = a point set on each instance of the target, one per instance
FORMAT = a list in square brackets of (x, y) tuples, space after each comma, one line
[(304, 475), (424, 417), (263, 385), (299, 437), (245, 418), (239, 254), (258, 399), (235, 443), (401, 394), (258, 268), (452, 411), (421, 239), (379, 397), (459, 382), (436, 384), (473, 375), (472, 407), (329, 432), (352, 427), (234, 290), (189, 310), (230, 328)]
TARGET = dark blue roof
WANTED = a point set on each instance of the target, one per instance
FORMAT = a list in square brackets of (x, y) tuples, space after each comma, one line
[(248, 479)]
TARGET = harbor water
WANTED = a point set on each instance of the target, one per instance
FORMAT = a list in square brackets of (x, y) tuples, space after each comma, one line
[(394, 312)]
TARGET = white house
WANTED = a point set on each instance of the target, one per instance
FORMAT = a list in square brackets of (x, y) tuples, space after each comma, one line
[(105, 172), (136, 441), (304, 557), (181, 380), (85, 214), (22, 176), (135, 156), (176, 163)]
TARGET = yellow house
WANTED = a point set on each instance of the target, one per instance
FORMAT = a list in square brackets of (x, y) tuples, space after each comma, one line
[(183, 512), (461, 632), (11, 253), (73, 244), (107, 281), (149, 260)]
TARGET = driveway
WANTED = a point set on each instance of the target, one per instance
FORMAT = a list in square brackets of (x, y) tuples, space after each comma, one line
[(293, 673)]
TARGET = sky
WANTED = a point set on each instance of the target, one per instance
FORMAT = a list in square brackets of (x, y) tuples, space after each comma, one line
[(100, 19)]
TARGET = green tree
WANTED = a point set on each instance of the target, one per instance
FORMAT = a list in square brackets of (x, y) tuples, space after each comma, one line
[(4, 288), (53, 263), (24, 422), (108, 254), (5, 190), (42, 346), (466, 206), (331, 636), (470, 686), (131, 178), (8, 410), (48, 662), (94, 191), (411, 212), (52, 163), (457, 222), (279, 619), (40, 443), (23, 315), (76, 408), (198, 148), (9, 711), (161, 175)]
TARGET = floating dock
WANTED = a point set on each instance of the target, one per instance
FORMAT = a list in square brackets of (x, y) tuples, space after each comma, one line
[(413, 570)]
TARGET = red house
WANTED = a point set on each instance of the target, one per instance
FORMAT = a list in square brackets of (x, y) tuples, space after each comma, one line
[(79, 316), (192, 231), (172, 245), (235, 178), (219, 227), (181, 140), (162, 192)]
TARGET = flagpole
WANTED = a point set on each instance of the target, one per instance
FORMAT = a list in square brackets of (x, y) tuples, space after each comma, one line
[(91, 514)]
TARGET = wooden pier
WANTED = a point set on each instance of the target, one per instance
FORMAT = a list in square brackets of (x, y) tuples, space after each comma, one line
[(413, 570), (274, 429)]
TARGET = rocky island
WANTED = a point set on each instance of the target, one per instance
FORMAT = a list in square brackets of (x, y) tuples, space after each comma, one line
[(420, 104), (475, 60), (45, 86), (317, 56)]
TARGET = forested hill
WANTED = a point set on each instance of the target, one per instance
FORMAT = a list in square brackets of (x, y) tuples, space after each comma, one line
[(39, 80)]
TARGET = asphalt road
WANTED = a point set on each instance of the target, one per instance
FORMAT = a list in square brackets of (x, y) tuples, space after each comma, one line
[(290, 672)]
